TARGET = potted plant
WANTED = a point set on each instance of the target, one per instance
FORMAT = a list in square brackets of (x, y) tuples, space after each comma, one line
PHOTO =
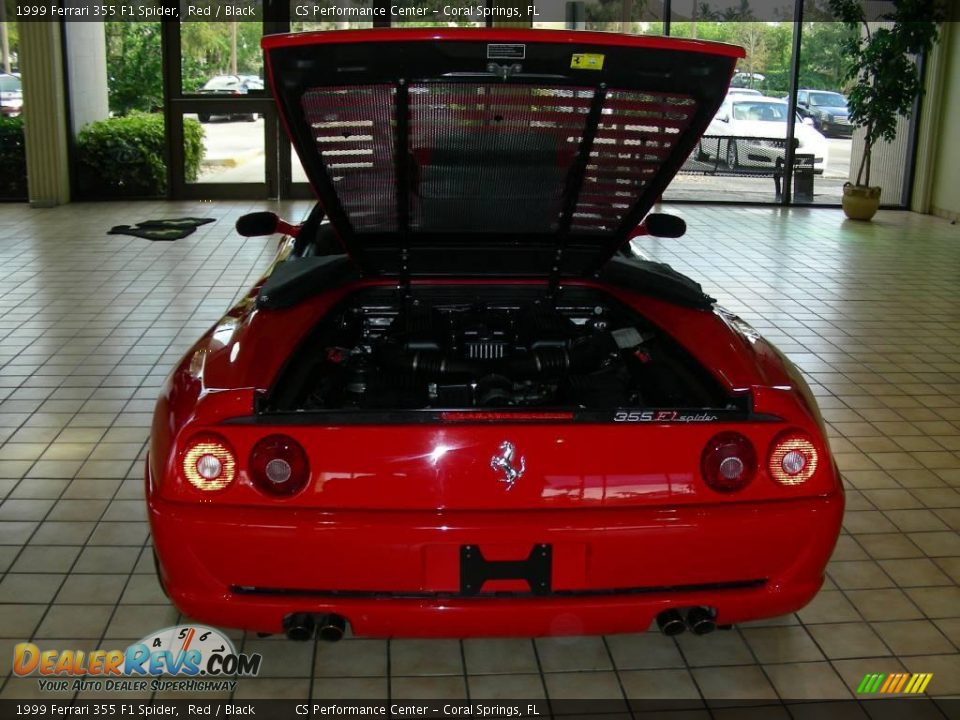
[(886, 80)]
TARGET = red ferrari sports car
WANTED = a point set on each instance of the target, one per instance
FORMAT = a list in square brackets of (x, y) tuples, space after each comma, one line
[(457, 404)]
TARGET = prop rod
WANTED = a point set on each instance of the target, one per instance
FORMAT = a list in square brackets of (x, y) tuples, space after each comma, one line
[(571, 193)]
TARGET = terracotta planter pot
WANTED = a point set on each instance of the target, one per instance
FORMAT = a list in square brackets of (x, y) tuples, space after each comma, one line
[(860, 202)]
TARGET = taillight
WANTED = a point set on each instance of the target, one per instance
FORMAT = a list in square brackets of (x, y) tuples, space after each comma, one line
[(278, 465), (793, 458), (209, 463), (729, 462)]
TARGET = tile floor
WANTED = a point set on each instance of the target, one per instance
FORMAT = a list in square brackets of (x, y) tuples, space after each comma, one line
[(90, 324)]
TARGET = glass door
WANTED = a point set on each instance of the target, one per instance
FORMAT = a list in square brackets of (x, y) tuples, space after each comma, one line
[(223, 127)]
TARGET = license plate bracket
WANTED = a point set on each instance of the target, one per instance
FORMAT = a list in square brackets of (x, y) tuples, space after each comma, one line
[(535, 570)]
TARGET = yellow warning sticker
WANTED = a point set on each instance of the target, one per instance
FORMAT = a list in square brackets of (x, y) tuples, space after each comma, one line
[(587, 61)]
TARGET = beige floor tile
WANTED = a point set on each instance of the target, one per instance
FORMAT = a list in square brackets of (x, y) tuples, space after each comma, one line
[(848, 640), (915, 572), (573, 653), (915, 521), (867, 521), (733, 683), (659, 685), (829, 606), (272, 688), (721, 647), (426, 657), (20, 620), (601, 685), (782, 644), (374, 688), (889, 546), (937, 602), (913, 637), (858, 575), (438, 687), (887, 604), (644, 651), (848, 548), (506, 687), (500, 656), (937, 544), (82, 621), (807, 681), (351, 658)]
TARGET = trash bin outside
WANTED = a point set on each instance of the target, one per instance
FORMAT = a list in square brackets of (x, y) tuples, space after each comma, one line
[(803, 177)]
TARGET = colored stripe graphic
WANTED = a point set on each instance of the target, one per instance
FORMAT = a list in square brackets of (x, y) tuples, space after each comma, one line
[(901, 682), (894, 683)]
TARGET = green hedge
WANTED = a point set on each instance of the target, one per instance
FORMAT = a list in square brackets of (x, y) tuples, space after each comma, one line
[(124, 156), (13, 160)]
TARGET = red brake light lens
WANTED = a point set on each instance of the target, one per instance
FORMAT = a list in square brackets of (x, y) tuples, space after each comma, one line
[(278, 466), (209, 463), (729, 462), (793, 458)]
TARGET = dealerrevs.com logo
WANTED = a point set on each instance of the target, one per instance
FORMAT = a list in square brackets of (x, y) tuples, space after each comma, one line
[(184, 657)]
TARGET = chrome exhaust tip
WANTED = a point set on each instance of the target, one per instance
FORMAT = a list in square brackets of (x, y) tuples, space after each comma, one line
[(670, 623), (299, 626), (331, 628), (701, 620)]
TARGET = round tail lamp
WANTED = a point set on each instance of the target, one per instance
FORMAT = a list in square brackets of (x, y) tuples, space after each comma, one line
[(729, 462), (793, 458), (278, 466), (209, 463)]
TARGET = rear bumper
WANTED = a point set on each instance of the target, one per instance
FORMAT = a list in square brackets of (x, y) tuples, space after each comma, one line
[(398, 573), (836, 129)]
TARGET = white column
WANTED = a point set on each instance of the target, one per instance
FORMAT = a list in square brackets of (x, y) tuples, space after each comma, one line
[(87, 72), (44, 114)]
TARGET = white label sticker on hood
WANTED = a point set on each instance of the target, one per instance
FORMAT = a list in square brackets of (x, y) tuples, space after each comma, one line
[(502, 51)]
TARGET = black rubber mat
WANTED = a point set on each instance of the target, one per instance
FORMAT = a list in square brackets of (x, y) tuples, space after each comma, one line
[(166, 229)]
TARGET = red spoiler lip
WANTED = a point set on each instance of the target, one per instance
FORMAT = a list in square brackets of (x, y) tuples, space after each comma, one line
[(570, 37)]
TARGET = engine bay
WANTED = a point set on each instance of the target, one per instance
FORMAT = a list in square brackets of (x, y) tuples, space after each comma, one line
[(492, 348)]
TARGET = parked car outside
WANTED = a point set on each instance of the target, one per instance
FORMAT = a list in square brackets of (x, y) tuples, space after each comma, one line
[(252, 82), (11, 95), (743, 91), (827, 110), (750, 133), (228, 85)]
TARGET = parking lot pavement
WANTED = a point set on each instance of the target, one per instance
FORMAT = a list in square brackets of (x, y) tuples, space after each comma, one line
[(233, 151)]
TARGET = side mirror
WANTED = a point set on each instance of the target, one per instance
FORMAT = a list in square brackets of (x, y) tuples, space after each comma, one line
[(724, 118), (258, 224), (807, 121), (661, 225)]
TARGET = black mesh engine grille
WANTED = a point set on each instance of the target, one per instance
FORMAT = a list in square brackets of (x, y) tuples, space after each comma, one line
[(353, 128), (492, 157), (636, 134)]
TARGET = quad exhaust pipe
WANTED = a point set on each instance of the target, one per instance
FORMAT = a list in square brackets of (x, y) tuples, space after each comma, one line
[(299, 626), (331, 627), (303, 626), (670, 622), (699, 620)]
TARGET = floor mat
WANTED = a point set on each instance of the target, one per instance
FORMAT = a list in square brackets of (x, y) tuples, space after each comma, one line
[(166, 229)]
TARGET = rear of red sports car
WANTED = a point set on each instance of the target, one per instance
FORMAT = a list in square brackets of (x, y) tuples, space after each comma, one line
[(457, 405)]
